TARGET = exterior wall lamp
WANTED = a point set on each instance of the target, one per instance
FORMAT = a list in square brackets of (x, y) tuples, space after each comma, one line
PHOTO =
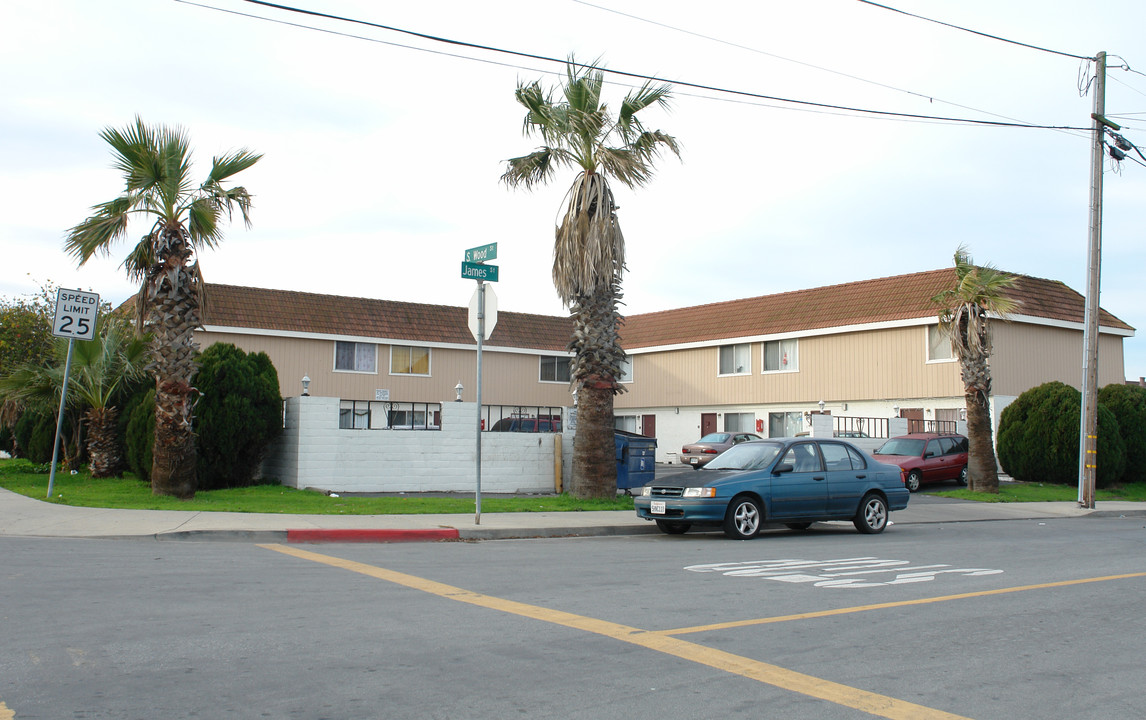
[(305, 385), (458, 389)]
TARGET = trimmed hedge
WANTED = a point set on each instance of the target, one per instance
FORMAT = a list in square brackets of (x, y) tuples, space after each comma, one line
[(139, 434), (237, 416), (1128, 403), (1038, 438)]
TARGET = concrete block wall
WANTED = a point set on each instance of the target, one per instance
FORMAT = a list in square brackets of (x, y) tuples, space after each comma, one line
[(313, 452)]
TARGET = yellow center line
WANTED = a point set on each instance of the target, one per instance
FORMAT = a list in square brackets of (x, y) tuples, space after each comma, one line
[(5, 713), (884, 606), (872, 703)]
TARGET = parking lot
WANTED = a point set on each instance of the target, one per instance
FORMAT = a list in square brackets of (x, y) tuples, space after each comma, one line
[(981, 620)]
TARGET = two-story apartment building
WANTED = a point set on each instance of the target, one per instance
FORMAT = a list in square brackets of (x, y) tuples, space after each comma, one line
[(869, 348)]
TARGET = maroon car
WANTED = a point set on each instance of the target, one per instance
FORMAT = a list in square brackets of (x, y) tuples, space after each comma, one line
[(700, 452), (926, 458)]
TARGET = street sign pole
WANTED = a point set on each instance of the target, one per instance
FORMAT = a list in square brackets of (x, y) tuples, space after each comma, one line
[(60, 417), (480, 337), (75, 318)]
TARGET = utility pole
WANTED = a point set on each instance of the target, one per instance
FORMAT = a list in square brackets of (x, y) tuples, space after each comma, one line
[(1088, 431)]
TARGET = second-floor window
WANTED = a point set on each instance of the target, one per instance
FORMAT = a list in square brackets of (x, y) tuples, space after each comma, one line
[(735, 359), (355, 357), (554, 369), (409, 360), (781, 356), (938, 344)]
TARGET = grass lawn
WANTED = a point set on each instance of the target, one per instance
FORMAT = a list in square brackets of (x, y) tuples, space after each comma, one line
[(1041, 492), (20, 476)]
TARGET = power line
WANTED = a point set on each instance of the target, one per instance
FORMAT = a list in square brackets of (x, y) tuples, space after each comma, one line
[(976, 32), (639, 76), (929, 98)]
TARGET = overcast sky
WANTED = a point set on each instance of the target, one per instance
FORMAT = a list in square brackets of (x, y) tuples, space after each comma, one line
[(383, 150)]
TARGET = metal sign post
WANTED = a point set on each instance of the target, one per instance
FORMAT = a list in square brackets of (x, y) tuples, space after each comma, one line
[(75, 319), (473, 267)]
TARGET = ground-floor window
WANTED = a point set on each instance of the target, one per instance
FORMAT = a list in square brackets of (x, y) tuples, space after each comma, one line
[(785, 424), (628, 423), (739, 422)]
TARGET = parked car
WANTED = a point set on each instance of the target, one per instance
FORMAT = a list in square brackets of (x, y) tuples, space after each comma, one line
[(850, 434), (927, 458), (700, 452), (543, 424), (793, 481)]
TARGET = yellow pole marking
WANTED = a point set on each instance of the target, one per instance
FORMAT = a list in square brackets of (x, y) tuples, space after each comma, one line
[(884, 606), (872, 703), (5, 713)]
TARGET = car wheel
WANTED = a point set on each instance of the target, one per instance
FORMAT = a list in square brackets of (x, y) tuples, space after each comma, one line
[(962, 476), (914, 480), (797, 526), (673, 528), (872, 515), (743, 519)]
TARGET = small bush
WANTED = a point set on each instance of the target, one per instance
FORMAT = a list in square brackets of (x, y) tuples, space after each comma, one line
[(237, 417), (139, 435), (1128, 403), (1038, 438), (35, 433)]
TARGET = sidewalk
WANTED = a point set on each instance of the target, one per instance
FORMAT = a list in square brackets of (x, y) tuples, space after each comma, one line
[(26, 517)]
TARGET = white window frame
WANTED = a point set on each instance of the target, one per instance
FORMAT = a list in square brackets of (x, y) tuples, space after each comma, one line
[(357, 349), (626, 375), (739, 420), (429, 361), (930, 339), (736, 350), (628, 423), (557, 360), (793, 364)]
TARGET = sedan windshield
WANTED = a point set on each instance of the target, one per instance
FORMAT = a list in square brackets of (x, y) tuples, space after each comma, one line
[(902, 446), (746, 456)]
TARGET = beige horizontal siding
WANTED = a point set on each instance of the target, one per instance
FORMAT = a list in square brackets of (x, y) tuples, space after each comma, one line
[(1026, 355)]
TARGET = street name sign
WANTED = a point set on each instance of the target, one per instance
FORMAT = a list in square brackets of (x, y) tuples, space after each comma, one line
[(76, 313), (478, 271), (482, 253)]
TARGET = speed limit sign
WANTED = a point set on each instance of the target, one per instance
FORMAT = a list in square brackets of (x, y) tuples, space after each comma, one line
[(76, 313)]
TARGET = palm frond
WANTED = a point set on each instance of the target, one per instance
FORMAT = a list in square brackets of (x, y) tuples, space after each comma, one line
[(232, 164), (646, 95)]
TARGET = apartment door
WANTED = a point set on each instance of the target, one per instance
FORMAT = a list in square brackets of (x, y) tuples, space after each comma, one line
[(649, 425), (707, 423)]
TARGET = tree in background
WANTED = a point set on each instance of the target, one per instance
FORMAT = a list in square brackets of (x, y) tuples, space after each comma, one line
[(979, 292), (102, 373), (239, 414), (26, 329), (578, 132), (156, 166)]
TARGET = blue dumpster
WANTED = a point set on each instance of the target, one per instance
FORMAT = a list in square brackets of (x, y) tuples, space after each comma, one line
[(636, 457)]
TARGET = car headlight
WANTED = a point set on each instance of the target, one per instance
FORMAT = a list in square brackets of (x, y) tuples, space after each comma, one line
[(700, 492), (646, 491)]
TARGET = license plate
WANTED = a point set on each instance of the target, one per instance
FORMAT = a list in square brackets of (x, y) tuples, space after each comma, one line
[(694, 461), (657, 507)]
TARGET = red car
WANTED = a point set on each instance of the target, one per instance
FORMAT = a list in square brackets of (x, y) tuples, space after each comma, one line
[(926, 458)]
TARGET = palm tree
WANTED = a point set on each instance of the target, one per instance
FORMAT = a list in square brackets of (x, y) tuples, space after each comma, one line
[(578, 132), (101, 369), (979, 292), (156, 164)]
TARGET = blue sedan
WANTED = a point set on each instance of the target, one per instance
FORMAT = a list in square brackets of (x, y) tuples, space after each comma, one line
[(792, 481)]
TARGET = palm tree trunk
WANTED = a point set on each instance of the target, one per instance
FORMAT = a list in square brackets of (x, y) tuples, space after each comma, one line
[(103, 442), (982, 469), (173, 315), (594, 454)]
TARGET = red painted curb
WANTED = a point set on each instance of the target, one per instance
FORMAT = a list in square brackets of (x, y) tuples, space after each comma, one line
[(363, 536)]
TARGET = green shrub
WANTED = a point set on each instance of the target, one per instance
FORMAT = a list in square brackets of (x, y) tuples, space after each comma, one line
[(139, 435), (35, 433), (1128, 403), (237, 416), (1038, 438)]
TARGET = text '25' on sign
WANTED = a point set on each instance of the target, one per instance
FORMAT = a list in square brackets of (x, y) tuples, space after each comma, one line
[(76, 313)]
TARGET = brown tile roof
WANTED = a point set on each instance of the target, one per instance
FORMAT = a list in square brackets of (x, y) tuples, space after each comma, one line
[(902, 297), (285, 310)]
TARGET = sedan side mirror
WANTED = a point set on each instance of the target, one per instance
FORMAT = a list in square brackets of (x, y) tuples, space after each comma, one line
[(782, 468)]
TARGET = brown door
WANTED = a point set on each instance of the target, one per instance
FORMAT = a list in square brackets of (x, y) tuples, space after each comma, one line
[(914, 417), (707, 423), (649, 425)]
